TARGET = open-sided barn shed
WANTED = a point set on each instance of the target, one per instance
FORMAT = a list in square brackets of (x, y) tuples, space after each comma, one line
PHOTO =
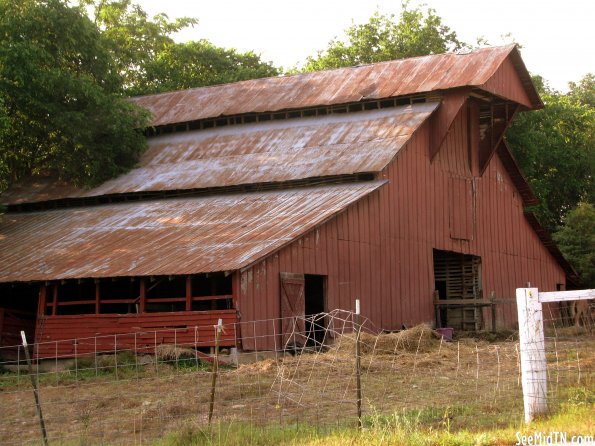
[(294, 195)]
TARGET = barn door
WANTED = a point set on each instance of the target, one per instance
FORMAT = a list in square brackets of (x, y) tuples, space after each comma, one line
[(293, 308)]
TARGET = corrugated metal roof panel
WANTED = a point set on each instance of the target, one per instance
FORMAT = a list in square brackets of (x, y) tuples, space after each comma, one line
[(163, 237), (274, 151), (344, 85)]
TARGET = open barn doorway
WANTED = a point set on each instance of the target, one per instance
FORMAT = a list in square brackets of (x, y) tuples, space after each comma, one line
[(458, 276), (303, 304), (315, 300)]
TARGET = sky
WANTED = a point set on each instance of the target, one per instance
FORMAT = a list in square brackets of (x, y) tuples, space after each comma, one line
[(557, 37)]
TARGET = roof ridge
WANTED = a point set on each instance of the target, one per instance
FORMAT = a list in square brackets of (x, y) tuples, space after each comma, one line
[(326, 70)]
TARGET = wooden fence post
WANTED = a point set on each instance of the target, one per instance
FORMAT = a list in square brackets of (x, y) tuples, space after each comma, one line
[(532, 346), (218, 330), (44, 435)]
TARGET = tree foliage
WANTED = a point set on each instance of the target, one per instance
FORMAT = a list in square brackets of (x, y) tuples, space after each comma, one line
[(63, 77), (150, 61), (200, 63), (384, 37), (576, 240), (555, 148), (133, 38), (583, 92), (59, 109)]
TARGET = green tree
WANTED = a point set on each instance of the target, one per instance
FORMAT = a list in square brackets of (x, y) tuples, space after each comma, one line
[(555, 148), (200, 63), (134, 39), (576, 240), (584, 91), (149, 60), (415, 33), (59, 109)]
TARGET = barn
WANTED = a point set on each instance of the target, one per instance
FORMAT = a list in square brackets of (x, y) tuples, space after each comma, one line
[(390, 183)]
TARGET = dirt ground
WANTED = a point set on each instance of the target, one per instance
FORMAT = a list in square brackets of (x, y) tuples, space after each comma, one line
[(412, 370)]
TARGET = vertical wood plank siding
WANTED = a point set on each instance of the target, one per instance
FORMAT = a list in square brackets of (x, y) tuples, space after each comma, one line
[(380, 249), (506, 82)]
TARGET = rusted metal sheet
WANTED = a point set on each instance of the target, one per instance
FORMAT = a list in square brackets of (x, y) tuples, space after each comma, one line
[(344, 85), (39, 188), (164, 237), (257, 153), (272, 152)]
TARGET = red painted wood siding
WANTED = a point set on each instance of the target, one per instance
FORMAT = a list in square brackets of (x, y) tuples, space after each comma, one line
[(461, 208), (11, 324), (380, 249), (96, 333), (506, 82)]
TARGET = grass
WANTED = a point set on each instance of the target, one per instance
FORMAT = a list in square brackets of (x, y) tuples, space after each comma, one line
[(418, 390), (399, 428)]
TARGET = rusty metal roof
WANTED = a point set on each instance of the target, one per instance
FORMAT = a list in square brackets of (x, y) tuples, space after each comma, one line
[(340, 86), (165, 237), (275, 151)]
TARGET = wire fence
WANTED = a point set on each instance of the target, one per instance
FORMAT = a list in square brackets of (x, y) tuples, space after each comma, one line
[(569, 333), (122, 392)]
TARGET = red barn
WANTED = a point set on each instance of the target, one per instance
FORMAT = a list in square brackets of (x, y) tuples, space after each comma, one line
[(391, 183)]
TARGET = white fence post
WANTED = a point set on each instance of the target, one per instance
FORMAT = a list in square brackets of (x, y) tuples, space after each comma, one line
[(532, 346)]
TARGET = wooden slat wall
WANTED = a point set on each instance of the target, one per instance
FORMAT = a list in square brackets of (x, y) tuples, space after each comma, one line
[(97, 332), (11, 324), (380, 249), (505, 82)]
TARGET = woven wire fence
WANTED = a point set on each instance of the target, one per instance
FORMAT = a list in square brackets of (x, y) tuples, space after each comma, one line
[(135, 393), (569, 333)]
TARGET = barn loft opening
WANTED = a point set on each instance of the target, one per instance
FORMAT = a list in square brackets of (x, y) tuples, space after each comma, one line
[(211, 291), (456, 277), (19, 296), (130, 295)]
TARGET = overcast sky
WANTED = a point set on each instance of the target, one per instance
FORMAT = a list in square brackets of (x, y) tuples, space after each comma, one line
[(557, 36)]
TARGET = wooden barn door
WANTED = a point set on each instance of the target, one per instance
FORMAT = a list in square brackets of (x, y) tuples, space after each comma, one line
[(293, 309)]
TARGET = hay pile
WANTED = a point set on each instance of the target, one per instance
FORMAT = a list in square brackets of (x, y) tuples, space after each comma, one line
[(169, 352), (420, 338)]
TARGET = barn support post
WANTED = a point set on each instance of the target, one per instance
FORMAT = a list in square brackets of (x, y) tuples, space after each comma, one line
[(97, 297), (143, 297), (493, 310), (42, 302), (188, 293), (532, 346), (54, 299)]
